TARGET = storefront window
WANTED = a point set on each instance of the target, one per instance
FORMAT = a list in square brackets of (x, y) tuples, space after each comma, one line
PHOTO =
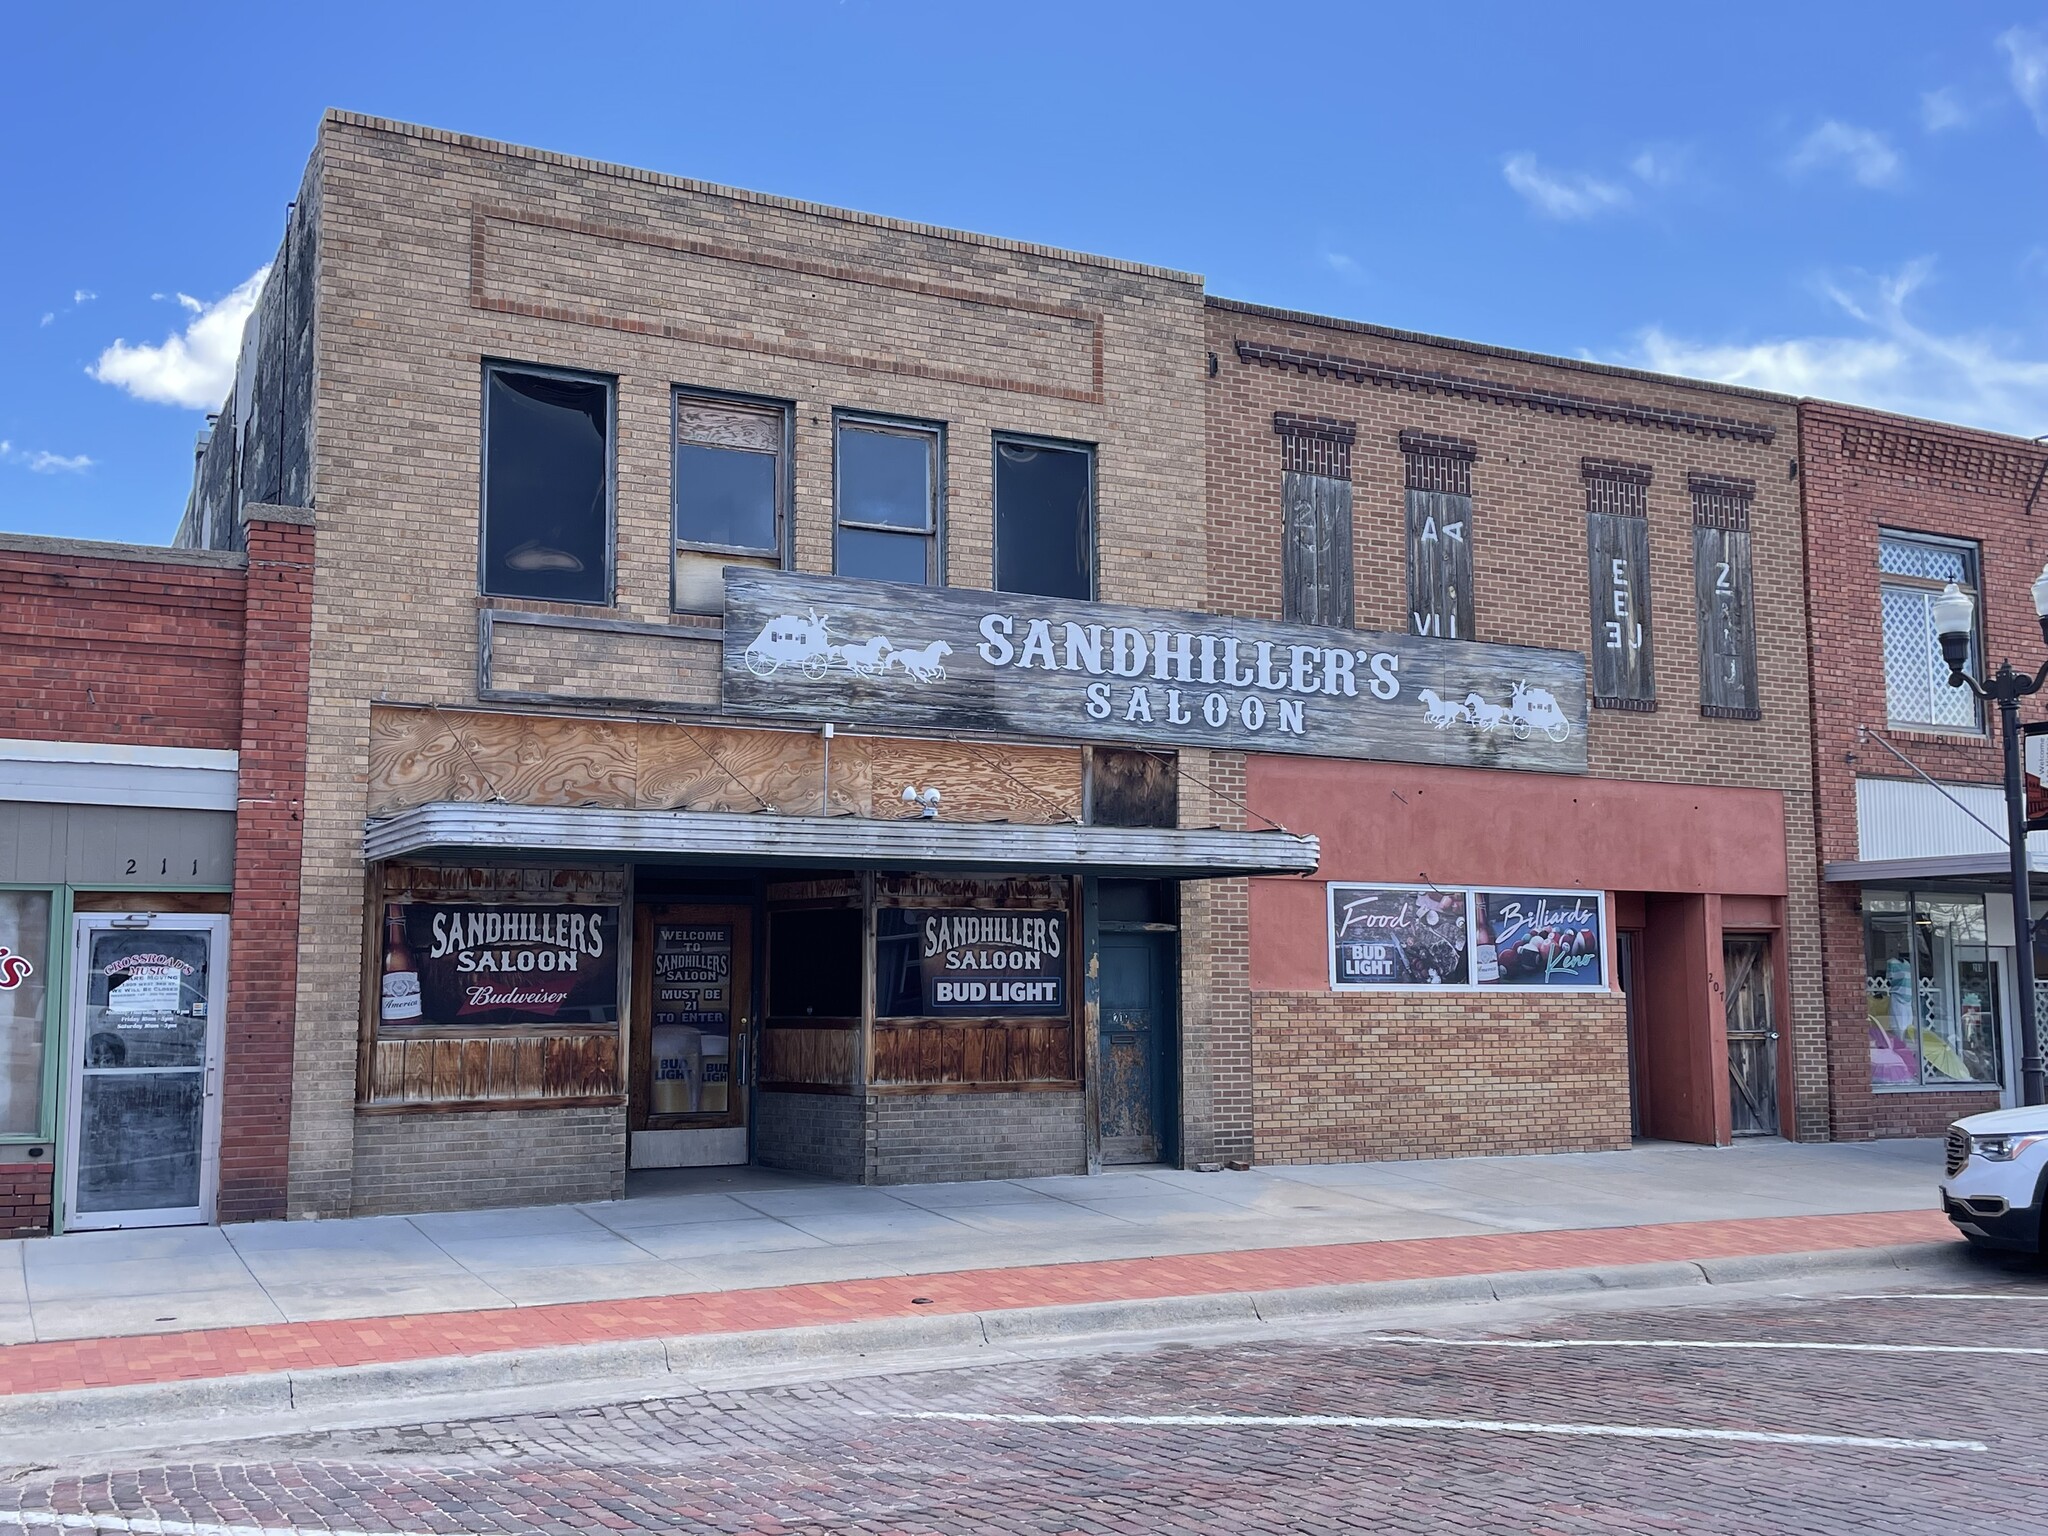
[(1932, 991), (24, 993)]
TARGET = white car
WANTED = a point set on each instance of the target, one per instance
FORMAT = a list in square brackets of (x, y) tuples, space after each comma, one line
[(1995, 1186)]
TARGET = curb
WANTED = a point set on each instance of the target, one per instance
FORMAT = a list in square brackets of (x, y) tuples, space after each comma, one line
[(652, 1367)]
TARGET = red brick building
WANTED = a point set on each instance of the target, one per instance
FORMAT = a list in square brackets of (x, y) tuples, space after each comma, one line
[(1390, 482), (1916, 921), (151, 774)]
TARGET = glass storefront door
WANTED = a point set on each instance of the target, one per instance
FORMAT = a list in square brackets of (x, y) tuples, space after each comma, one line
[(143, 1121)]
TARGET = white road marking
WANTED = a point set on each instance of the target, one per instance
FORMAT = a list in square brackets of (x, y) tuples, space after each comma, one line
[(1943, 1296), (149, 1525), (1502, 1426), (1817, 1345)]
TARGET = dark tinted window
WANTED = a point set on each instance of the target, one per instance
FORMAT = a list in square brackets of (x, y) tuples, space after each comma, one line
[(887, 502), (814, 964), (1044, 520), (547, 492), (725, 496)]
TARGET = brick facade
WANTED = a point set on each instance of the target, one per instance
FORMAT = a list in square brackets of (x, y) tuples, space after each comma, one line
[(1863, 471), (1326, 1083), (437, 252), (26, 1197), (111, 643)]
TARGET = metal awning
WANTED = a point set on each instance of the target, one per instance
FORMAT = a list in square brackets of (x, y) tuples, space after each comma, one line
[(1989, 870), (719, 837)]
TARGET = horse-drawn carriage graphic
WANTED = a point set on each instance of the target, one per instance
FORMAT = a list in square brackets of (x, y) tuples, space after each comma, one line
[(804, 641), (1528, 711)]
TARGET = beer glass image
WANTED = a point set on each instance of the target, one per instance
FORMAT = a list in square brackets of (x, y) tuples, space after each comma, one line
[(678, 1052), (715, 1054)]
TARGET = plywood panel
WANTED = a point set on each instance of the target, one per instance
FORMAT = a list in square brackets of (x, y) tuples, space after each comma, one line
[(809, 1057), (478, 1068)]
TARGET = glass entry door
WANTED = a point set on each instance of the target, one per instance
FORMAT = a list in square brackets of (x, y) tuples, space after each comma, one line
[(143, 1120)]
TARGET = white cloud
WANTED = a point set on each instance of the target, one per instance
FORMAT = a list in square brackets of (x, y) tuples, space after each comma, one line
[(49, 315), (1977, 378), (1561, 194), (1863, 152), (192, 368), (1659, 165), (1343, 264), (42, 463), (1941, 110), (2026, 57), (57, 463), (82, 295)]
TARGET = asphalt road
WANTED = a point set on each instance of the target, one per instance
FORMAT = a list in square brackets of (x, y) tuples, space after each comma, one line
[(1719, 1419)]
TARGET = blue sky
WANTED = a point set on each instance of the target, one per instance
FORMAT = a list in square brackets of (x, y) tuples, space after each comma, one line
[(1840, 199)]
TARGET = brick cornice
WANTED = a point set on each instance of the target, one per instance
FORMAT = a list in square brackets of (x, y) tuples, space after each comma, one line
[(1354, 370)]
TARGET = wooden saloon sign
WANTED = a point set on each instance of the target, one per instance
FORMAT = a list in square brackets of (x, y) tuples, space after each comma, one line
[(823, 648)]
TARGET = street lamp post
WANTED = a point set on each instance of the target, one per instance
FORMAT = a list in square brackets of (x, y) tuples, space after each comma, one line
[(1952, 613)]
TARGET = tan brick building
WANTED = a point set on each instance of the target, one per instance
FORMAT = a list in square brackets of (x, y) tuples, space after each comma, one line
[(793, 686)]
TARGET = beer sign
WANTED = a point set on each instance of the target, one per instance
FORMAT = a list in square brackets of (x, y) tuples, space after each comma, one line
[(511, 964), (972, 962), (1431, 938)]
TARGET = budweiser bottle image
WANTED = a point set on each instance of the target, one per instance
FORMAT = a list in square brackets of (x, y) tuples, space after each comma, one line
[(1485, 957), (678, 1052), (401, 971)]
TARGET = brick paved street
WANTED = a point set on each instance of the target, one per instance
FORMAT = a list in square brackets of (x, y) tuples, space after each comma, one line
[(1918, 1441)]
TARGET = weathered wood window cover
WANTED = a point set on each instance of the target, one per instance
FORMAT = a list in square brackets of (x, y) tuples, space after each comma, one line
[(819, 649), (1315, 495), (1618, 576), (1725, 595), (1438, 471)]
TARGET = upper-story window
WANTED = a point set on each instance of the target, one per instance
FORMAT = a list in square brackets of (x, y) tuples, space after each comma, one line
[(1045, 518), (1913, 570), (547, 484), (731, 493), (890, 499)]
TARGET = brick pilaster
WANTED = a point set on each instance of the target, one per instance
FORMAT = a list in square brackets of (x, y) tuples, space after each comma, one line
[(264, 933)]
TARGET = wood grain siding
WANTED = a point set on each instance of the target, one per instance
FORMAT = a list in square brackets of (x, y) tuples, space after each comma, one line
[(992, 1053), (1725, 591), (798, 1058), (1438, 474), (502, 1071), (422, 756), (1316, 499), (1618, 580)]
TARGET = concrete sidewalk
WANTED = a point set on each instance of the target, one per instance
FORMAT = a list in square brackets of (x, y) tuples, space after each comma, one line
[(720, 1231)]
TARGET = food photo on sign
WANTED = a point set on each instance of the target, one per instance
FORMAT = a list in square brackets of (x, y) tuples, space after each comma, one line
[(1538, 939), (467, 964), (1397, 936)]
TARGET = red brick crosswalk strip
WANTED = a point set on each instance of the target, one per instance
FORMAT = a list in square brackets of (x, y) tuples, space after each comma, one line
[(201, 1354)]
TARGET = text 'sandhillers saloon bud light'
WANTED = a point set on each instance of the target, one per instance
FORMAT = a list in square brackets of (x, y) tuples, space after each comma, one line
[(946, 658), (978, 962)]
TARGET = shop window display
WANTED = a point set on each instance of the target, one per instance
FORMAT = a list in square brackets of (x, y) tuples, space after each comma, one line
[(1931, 987)]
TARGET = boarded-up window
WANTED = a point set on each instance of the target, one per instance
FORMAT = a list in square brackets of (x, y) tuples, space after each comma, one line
[(1725, 594), (731, 486), (1439, 479), (1315, 495), (1618, 576)]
